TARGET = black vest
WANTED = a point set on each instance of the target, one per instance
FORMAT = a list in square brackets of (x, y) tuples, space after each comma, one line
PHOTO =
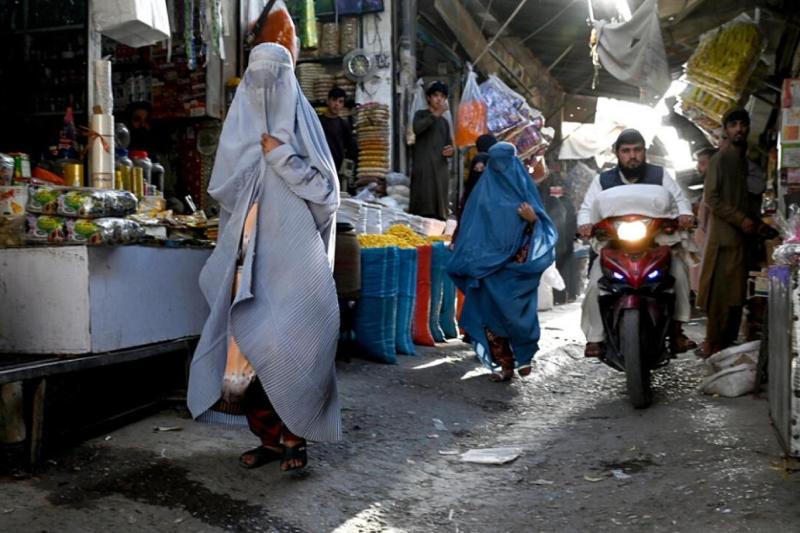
[(653, 175)]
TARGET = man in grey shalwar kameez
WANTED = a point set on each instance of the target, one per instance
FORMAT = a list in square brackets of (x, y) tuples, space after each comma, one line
[(430, 178), (279, 306)]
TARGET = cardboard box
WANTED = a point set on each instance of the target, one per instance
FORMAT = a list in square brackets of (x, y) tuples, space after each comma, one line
[(789, 156), (790, 125), (790, 96)]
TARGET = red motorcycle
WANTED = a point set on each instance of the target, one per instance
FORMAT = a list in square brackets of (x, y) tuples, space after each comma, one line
[(636, 298)]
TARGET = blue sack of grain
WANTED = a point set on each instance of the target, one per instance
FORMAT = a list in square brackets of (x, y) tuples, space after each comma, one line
[(438, 274), (376, 311), (407, 289), (448, 317)]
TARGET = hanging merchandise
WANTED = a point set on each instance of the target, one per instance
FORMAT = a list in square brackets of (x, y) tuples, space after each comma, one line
[(503, 105), (308, 26), (726, 57), (134, 24), (471, 122), (418, 102)]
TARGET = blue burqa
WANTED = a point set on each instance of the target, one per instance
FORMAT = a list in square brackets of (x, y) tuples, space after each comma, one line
[(500, 294)]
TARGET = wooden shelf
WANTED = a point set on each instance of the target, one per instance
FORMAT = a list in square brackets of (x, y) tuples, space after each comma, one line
[(322, 60)]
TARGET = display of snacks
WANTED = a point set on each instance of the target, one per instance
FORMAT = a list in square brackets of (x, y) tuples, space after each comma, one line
[(80, 202), (349, 30), (329, 41), (322, 86), (45, 229), (307, 74), (725, 58), (372, 130)]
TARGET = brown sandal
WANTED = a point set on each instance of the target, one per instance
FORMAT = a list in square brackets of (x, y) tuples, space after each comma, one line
[(501, 354), (594, 349)]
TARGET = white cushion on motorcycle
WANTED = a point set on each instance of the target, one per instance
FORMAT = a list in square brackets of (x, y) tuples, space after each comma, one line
[(651, 201)]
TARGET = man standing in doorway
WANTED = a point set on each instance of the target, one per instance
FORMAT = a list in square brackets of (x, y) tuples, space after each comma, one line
[(430, 179), (723, 280), (338, 131)]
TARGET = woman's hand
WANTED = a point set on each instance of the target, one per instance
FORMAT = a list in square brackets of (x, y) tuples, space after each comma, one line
[(269, 143), (526, 212)]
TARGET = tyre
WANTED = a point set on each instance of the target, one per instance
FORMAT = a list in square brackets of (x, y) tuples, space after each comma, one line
[(637, 374)]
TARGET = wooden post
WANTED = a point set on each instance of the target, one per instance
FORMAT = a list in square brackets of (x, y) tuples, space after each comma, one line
[(12, 413), (37, 420)]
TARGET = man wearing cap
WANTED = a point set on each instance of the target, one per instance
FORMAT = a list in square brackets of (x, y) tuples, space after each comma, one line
[(733, 220), (633, 168), (430, 178)]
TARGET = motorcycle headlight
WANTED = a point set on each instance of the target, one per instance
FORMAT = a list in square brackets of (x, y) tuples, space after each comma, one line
[(632, 231)]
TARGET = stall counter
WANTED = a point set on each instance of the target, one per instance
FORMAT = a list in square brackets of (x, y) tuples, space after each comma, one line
[(79, 299)]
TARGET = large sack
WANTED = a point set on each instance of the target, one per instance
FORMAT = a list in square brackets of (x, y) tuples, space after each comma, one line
[(376, 311), (438, 275), (407, 290), (422, 305)]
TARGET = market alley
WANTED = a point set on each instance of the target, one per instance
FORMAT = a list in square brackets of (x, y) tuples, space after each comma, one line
[(589, 461)]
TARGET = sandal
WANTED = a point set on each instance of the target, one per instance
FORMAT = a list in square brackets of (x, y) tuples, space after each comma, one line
[(681, 343), (524, 371), (594, 349), (294, 453), (262, 456)]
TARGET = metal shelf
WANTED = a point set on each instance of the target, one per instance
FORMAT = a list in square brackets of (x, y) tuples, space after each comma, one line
[(46, 29)]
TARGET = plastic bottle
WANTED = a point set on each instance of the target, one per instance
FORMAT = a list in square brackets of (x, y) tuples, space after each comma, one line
[(124, 165), (141, 160), (157, 176)]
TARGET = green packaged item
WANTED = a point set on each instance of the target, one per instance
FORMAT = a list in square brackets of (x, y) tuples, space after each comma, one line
[(45, 229)]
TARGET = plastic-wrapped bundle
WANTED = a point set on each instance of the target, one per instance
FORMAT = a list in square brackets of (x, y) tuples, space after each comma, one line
[(329, 42), (407, 289), (422, 305), (103, 231), (471, 122), (80, 202), (502, 104), (376, 311), (45, 229), (438, 273), (348, 34), (447, 318)]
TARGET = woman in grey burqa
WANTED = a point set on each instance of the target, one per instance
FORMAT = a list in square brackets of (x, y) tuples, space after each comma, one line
[(267, 352)]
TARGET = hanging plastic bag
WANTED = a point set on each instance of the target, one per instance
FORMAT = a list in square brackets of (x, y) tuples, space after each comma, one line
[(273, 24), (502, 105), (418, 102), (471, 122)]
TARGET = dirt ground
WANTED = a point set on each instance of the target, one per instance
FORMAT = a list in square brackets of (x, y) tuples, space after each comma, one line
[(589, 461)]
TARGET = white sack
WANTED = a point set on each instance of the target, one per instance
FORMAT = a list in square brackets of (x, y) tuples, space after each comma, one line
[(134, 23)]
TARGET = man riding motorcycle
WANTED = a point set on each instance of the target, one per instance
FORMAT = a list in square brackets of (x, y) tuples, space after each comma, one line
[(633, 168)]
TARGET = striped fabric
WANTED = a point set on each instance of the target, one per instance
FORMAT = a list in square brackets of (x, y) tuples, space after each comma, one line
[(285, 315)]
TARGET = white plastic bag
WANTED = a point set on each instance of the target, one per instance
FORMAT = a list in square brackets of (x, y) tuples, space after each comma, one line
[(418, 102), (734, 356), (731, 382), (553, 278), (134, 23)]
